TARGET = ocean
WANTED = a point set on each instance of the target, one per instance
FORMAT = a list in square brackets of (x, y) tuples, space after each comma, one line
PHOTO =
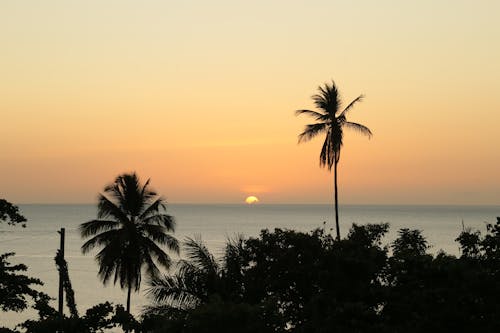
[(36, 245)]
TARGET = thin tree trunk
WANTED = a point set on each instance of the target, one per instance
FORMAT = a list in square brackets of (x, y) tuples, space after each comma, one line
[(336, 201), (128, 298), (128, 301)]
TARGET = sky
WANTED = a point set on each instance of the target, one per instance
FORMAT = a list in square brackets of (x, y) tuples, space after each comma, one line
[(199, 96)]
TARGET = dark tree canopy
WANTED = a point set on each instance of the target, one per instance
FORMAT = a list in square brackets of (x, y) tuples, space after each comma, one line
[(15, 287), (290, 281), (10, 213)]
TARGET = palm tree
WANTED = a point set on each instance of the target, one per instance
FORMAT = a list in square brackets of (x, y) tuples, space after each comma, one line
[(197, 277), (331, 120), (131, 225)]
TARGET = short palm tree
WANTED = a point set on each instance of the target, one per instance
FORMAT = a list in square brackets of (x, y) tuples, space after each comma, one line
[(331, 120), (196, 278), (131, 226)]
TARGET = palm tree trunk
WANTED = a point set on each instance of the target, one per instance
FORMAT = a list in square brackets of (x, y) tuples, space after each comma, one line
[(128, 297), (336, 201), (129, 291)]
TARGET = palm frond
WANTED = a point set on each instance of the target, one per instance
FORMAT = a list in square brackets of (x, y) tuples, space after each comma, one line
[(165, 220), (327, 155), (234, 247), (337, 135), (359, 128), (109, 261), (188, 269), (330, 151), (107, 208), (155, 251), (199, 255), (103, 238), (316, 115), (349, 107), (321, 101), (311, 131), (328, 99), (96, 226), (172, 291), (147, 194), (154, 231), (158, 234), (132, 201), (172, 243), (233, 253), (154, 208), (151, 268), (129, 272), (115, 191)]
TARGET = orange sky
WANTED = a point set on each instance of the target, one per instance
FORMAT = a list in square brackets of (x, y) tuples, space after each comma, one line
[(199, 96)]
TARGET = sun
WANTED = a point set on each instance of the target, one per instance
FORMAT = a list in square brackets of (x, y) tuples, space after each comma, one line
[(251, 200)]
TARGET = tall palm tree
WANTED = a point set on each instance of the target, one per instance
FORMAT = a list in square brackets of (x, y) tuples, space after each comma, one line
[(331, 120), (131, 226)]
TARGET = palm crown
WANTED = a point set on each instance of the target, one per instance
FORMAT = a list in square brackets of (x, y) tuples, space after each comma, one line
[(331, 120)]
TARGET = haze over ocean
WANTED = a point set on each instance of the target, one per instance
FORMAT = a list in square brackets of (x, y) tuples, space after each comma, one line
[(36, 244)]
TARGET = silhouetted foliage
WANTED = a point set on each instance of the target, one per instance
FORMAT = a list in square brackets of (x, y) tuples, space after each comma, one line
[(289, 281), (195, 279), (442, 293), (7, 330), (226, 317), (10, 213), (98, 318), (62, 267), (131, 225), (284, 276), (470, 244), (15, 288)]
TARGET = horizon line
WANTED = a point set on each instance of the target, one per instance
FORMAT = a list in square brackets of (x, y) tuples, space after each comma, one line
[(271, 203)]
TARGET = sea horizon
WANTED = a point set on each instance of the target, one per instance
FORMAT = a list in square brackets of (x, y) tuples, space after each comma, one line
[(276, 203)]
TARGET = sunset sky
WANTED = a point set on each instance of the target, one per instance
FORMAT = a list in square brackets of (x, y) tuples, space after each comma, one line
[(200, 96)]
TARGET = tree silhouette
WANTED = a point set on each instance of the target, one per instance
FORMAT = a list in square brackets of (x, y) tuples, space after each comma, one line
[(131, 225), (197, 277), (15, 287), (11, 214), (331, 120)]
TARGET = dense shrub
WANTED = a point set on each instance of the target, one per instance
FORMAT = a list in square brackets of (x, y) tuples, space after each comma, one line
[(289, 281)]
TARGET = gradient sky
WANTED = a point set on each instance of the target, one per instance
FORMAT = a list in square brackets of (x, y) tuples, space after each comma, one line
[(199, 96)]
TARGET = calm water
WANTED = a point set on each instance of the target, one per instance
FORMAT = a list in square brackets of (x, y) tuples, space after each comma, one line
[(36, 244)]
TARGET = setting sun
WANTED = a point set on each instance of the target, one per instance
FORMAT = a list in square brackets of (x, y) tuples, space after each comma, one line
[(251, 200)]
